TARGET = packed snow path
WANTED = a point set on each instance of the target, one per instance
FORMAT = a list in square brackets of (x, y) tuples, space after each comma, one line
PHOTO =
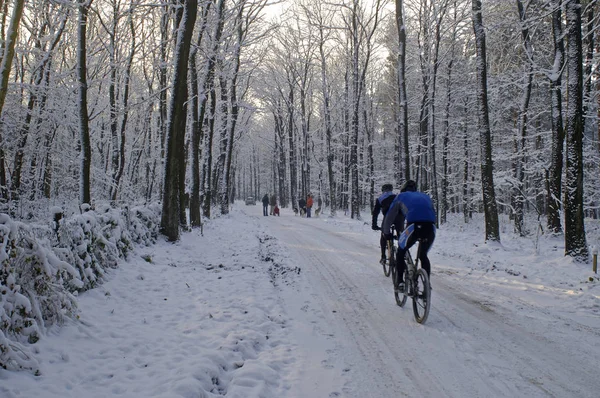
[(479, 341), (289, 307)]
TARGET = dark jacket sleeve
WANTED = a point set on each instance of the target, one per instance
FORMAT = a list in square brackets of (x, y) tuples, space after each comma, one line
[(389, 218), (376, 210)]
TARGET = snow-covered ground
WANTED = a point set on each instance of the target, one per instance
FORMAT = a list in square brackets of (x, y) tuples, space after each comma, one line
[(286, 306)]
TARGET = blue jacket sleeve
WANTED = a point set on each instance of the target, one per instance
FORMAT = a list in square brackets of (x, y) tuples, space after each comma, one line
[(376, 211)]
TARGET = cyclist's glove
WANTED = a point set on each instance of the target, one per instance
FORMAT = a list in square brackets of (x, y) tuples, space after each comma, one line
[(374, 227)]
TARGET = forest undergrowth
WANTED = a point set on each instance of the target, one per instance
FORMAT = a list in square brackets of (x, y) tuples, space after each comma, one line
[(44, 266)]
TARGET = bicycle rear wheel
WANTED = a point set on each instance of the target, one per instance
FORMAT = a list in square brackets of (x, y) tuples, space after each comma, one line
[(422, 296)]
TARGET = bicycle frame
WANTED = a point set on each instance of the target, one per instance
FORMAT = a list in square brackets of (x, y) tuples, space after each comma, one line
[(414, 263)]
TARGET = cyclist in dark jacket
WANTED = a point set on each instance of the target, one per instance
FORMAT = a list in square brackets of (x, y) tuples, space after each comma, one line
[(382, 204), (417, 209)]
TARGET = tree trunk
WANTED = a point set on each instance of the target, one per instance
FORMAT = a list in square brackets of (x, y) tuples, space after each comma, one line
[(558, 134), (280, 133), (226, 184), (492, 228), (575, 240), (466, 197), (197, 119), (125, 98), (211, 90), (589, 58), (402, 121), (292, 148), (86, 150), (521, 139), (8, 53), (446, 139), (176, 125)]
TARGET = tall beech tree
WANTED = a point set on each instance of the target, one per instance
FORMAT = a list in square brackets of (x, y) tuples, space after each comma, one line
[(176, 124), (84, 128), (558, 135), (575, 240), (492, 227)]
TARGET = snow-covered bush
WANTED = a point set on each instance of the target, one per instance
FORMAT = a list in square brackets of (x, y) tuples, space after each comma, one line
[(32, 293), (144, 223), (42, 266), (81, 244)]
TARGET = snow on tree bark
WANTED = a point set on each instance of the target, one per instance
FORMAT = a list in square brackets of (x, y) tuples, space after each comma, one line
[(492, 229), (197, 119), (402, 122), (210, 89), (176, 124), (558, 134), (86, 150), (575, 240), (521, 138)]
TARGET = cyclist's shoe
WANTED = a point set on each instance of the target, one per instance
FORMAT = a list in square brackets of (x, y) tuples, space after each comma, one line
[(400, 288), (383, 260)]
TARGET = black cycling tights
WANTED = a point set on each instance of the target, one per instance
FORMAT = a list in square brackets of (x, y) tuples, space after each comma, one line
[(425, 232)]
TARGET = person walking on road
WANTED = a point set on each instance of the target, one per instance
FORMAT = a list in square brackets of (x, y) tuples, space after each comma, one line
[(265, 201), (309, 205)]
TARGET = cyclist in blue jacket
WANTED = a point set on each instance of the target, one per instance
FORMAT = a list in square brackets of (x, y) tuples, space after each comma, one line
[(382, 204), (417, 209)]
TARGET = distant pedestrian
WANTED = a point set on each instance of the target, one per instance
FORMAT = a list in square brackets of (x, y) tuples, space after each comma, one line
[(309, 205), (265, 201), (319, 205), (302, 206)]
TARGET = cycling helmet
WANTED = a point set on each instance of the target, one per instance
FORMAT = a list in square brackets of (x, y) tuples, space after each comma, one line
[(386, 188), (409, 185)]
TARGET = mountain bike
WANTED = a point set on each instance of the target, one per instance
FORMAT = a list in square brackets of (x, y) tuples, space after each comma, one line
[(416, 286)]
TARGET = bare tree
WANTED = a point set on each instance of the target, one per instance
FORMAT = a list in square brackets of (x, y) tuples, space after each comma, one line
[(84, 129), (210, 93), (361, 30), (492, 228), (575, 240), (8, 54), (558, 134), (521, 138), (443, 207), (197, 119), (39, 80), (402, 122), (171, 207)]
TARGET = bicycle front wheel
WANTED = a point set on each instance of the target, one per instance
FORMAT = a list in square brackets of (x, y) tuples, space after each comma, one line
[(400, 296), (422, 296)]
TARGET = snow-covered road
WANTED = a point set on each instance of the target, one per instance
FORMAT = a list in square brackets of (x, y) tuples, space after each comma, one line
[(289, 307), (479, 340)]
